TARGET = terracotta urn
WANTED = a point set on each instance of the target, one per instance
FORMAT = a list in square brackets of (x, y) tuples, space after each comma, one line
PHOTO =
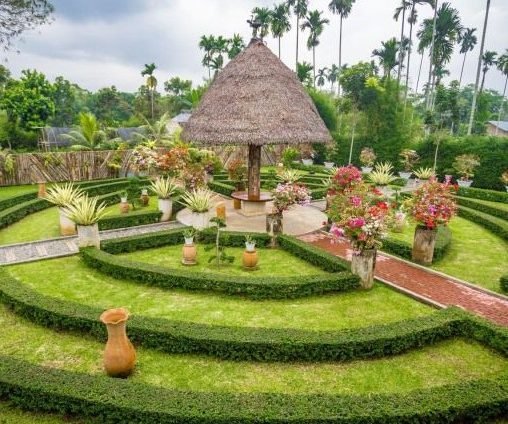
[(237, 204), (119, 355), (423, 245), (363, 263), (220, 210), (189, 252), (41, 194), (145, 198), (250, 259), (67, 225), (124, 205)]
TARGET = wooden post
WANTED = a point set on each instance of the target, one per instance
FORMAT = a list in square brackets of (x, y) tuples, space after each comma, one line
[(254, 171)]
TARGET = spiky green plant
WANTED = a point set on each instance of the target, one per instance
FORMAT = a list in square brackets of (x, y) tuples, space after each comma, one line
[(85, 210), (382, 174), (164, 188), (198, 200), (423, 173), (289, 175), (63, 195)]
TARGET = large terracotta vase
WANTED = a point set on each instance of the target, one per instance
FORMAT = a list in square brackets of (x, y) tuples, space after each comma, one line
[(189, 252), (67, 225), (41, 194), (250, 259), (119, 355), (423, 245), (363, 264)]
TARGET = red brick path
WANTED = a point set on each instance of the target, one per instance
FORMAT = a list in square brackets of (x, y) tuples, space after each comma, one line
[(445, 291)]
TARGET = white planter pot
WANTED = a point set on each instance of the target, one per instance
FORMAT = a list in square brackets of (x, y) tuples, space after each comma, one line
[(405, 175), (88, 235), (200, 220), (329, 165), (144, 192), (506, 187), (189, 241), (464, 183), (123, 199), (166, 207), (366, 169), (67, 225), (307, 162), (250, 247)]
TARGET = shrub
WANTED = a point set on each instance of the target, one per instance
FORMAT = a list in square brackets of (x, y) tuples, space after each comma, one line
[(221, 187), (480, 194), (15, 213), (16, 200), (483, 207), (503, 283), (131, 219), (496, 225)]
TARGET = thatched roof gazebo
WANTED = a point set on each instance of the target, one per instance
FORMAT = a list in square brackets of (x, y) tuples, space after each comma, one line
[(256, 100)]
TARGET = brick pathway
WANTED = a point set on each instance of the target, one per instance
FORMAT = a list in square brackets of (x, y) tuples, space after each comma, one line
[(437, 289)]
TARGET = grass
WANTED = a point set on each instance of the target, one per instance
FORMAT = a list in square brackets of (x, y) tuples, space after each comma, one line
[(271, 261), (45, 224), (10, 191), (68, 278), (11, 415), (475, 255), (447, 362)]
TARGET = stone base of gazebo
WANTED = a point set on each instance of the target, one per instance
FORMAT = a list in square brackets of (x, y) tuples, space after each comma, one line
[(250, 206)]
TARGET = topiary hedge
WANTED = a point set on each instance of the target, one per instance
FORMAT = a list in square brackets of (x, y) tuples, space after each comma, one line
[(9, 202), (497, 225), (131, 219), (481, 194), (110, 400), (15, 213), (221, 188), (479, 205), (503, 283)]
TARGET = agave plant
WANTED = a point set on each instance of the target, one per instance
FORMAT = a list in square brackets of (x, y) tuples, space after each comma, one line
[(423, 173), (289, 175), (164, 188), (382, 174), (198, 200), (85, 210), (63, 195)]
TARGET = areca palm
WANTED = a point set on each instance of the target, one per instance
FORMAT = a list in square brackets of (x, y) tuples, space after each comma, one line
[(502, 66), (235, 46), (263, 15), (88, 135), (316, 24), (151, 82), (343, 9), (467, 40), (333, 75), (387, 55), (321, 76), (402, 8), (303, 71), (300, 8), (488, 60), (280, 21), (207, 44)]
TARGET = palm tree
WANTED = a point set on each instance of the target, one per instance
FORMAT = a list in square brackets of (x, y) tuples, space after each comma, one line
[(220, 47), (88, 135), (502, 66), (216, 64), (467, 42), (263, 15), (316, 24), (280, 21), (333, 75), (300, 8), (321, 76), (303, 73), (207, 44), (235, 46), (343, 9), (387, 55), (478, 70), (151, 82), (402, 8), (488, 59)]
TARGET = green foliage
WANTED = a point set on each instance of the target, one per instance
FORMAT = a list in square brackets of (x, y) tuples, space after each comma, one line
[(497, 225), (220, 256), (15, 213), (326, 107), (131, 219), (16, 200), (221, 188), (479, 205), (480, 194), (503, 283)]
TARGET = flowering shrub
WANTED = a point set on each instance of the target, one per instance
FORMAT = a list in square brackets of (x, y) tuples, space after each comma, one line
[(465, 165), (344, 178), (408, 158), (144, 157), (504, 177), (193, 176), (237, 170), (174, 161), (432, 204), (287, 195), (359, 214), (367, 156)]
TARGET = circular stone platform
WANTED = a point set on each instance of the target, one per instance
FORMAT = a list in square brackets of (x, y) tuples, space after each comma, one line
[(298, 220)]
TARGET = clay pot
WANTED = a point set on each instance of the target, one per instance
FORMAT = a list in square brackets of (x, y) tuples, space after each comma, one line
[(189, 254), (220, 210), (250, 259), (119, 355), (237, 204), (145, 198), (42, 191), (423, 245), (363, 264), (124, 206), (67, 225)]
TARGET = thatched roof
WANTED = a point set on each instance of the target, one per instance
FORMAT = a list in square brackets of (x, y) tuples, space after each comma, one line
[(256, 99)]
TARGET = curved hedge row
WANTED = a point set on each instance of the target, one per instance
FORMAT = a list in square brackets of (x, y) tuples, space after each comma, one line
[(497, 225), (40, 388), (259, 344), (9, 202), (481, 206), (482, 194)]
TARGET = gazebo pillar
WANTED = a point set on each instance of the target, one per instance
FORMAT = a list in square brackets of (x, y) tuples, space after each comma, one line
[(254, 172)]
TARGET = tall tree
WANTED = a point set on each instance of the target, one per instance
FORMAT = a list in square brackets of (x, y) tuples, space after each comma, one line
[(316, 24), (263, 15), (18, 16), (321, 76), (300, 8), (333, 75), (177, 87), (502, 66), (343, 9), (235, 46), (64, 99), (402, 8), (280, 23), (207, 44), (151, 82), (478, 70), (467, 40), (387, 56), (303, 73), (488, 60)]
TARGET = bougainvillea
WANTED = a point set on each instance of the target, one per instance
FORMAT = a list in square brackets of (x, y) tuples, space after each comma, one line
[(287, 195), (144, 157), (344, 178), (174, 161)]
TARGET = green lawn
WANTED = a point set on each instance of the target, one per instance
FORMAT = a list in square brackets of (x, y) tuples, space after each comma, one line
[(271, 261), (45, 224), (448, 362), (11, 191), (68, 278), (475, 255)]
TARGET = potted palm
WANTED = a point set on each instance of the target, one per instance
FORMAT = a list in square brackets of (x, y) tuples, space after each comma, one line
[(307, 154), (465, 166), (250, 257), (328, 162), (124, 202), (382, 176), (189, 251), (164, 188), (144, 198), (423, 175), (199, 201), (85, 212), (408, 158), (62, 196), (367, 159)]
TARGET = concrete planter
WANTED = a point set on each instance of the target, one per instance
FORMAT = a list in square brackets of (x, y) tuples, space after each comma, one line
[(307, 162), (329, 165), (464, 183), (200, 220), (366, 169), (67, 225), (166, 207), (250, 246), (405, 175), (423, 245), (363, 264), (88, 236)]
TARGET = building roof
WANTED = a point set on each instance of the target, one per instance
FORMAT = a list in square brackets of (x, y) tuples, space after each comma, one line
[(502, 125), (182, 117), (256, 99)]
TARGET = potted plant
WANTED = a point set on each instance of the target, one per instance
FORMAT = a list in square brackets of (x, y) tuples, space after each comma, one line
[(250, 256), (359, 215), (144, 199), (328, 162), (189, 251), (367, 159), (431, 205), (381, 176), (62, 196), (422, 175), (199, 201), (285, 196), (504, 179), (124, 202), (289, 156), (399, 221), (164, 188), (307, 154), (85, 212), (409, 158), (238, 175), (465, 166), (286, 175)]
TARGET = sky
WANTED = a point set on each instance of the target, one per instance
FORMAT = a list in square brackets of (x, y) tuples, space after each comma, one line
[(99, 43)]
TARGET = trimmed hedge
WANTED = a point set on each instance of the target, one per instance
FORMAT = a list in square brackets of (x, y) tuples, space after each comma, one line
[(40, 388), (131, 219), (9, 202), (143, 241), (221, 188), (481, 194), (497, 225), (503, 283), (258, 344), (479, 205), (15, 213)]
